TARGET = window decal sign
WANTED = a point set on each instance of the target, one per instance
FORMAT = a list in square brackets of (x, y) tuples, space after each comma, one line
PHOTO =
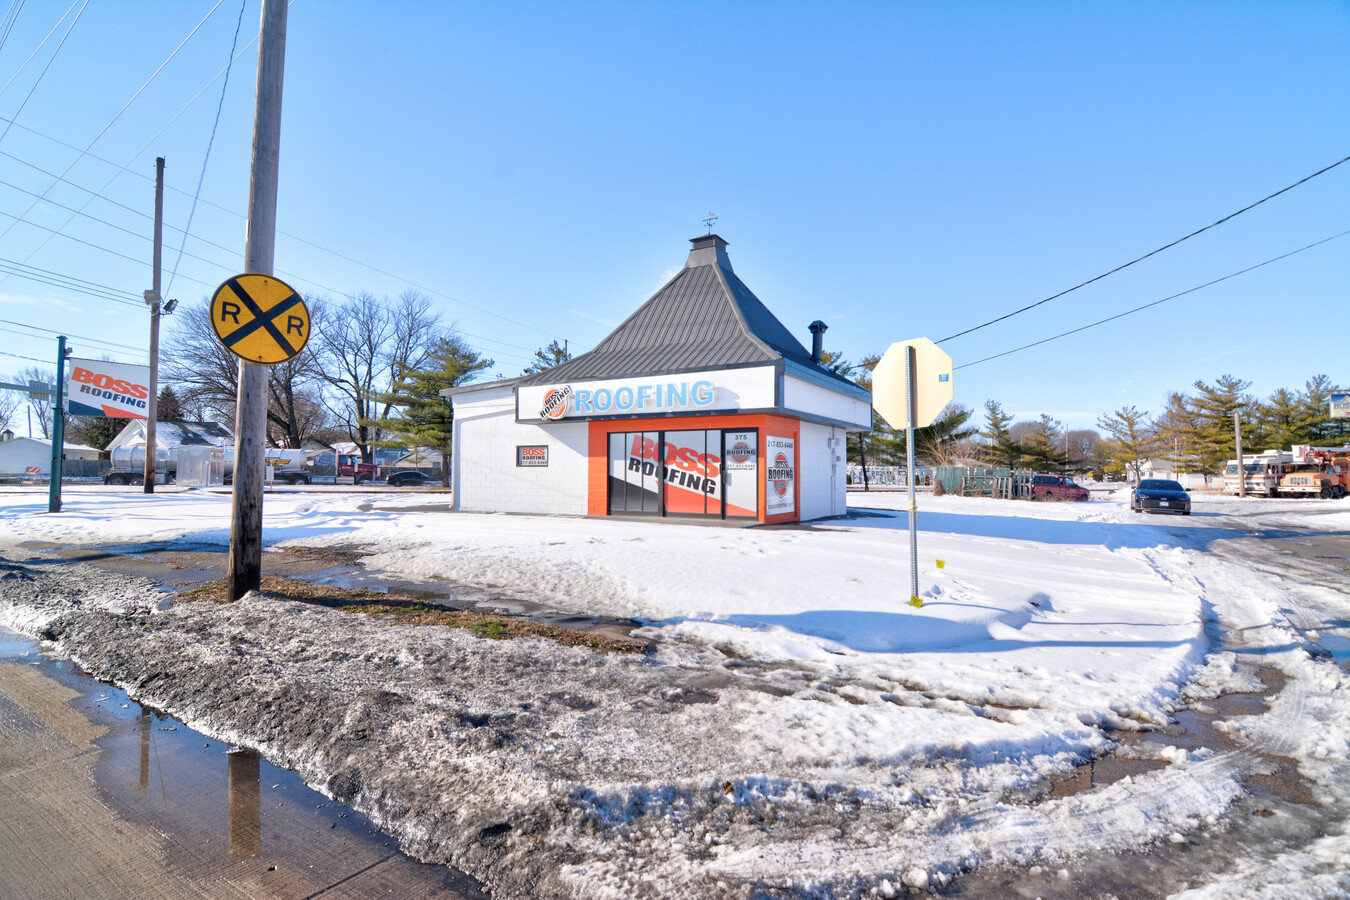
[(528, 457), (780, 495)]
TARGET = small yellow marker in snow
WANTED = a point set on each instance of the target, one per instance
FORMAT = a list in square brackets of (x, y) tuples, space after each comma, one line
[(940, 563), (916, 601)]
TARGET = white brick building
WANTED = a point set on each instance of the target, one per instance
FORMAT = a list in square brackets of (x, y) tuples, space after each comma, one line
[(700, 405)]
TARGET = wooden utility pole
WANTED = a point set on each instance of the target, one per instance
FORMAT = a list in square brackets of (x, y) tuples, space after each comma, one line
[(1242, 469), (152, 297), (245, 570)]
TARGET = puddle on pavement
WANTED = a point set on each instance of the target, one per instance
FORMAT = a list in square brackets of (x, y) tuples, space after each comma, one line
[(230, 813), (1336, 648), (1277, 811), (1192, 730)]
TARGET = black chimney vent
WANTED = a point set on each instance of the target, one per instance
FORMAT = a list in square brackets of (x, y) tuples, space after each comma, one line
[(817, 339)]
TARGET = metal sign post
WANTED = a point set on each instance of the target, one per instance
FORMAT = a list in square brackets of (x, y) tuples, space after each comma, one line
[(911, 402), (911, 386)]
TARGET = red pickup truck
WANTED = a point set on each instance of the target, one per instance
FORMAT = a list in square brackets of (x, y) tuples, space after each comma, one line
[(1056, 487)]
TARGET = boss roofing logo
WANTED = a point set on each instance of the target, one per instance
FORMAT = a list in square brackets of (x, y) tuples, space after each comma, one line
[(780, 473), (555, 402), (740, 452)]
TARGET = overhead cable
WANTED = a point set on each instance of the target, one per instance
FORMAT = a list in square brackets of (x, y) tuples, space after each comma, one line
[(96, 246), (36, 49), (1147, 255), (124, 108), (210, 142), (76, 336), (1130, 312), (11, 16), (41, 74)]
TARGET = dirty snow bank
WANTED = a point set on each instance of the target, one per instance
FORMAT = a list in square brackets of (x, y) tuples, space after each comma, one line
[(797, 728)]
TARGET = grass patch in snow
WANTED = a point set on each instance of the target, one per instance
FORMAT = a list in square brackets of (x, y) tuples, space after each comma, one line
[(395, 609)]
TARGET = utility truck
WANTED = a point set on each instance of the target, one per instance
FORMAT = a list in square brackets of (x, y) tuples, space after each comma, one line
[(1317, 472), (128, 465), (1263, 473)]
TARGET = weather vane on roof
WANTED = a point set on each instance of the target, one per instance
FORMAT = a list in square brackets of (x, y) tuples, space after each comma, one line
[(709, 221)]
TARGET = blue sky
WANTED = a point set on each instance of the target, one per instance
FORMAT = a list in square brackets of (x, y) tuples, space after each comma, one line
[(895, 169)]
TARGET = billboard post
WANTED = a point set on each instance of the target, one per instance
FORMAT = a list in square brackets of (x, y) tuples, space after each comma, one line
[(58, 429)]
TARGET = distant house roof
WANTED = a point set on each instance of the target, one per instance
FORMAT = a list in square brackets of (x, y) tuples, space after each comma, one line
[(174, 433), (703, 318)]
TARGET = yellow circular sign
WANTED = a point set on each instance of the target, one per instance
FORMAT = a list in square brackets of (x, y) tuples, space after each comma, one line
[(260, 319)]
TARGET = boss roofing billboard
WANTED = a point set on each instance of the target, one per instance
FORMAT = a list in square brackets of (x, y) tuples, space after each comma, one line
[(96, 387), (1340, 406)]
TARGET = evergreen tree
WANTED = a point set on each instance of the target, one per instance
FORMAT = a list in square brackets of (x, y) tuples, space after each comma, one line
[(940, 442), (1131, 442), (421, 415), (1177, 433), (883, 445), (167, 406), (1315, 424), (1213, 408), (548, 357), (1277, 423), (1003, 450), (94, 431), (1044, 448)]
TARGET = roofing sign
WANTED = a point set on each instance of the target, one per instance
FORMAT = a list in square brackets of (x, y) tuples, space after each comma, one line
[(97, 387), (780, 475), (729, 390)]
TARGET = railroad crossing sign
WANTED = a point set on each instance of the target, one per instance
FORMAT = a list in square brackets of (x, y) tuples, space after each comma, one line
[(260, 319)]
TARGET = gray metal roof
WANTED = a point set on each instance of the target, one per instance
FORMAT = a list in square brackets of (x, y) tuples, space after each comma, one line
[(703, 318)]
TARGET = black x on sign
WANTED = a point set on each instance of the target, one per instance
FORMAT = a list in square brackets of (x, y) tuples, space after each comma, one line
[(260, 319)]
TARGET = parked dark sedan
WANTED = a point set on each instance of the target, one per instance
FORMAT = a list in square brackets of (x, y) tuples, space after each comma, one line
[(1160, 495), (408, 478)]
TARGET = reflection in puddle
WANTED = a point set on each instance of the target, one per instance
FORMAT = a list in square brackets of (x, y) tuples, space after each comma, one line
[(245, 809), (227, 816)]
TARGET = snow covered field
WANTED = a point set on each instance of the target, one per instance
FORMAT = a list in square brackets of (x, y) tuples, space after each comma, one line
[(798, 726)]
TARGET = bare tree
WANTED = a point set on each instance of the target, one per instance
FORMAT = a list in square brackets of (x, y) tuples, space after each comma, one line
[(40, 404), (9, 403), (364, 351), (207, 376)]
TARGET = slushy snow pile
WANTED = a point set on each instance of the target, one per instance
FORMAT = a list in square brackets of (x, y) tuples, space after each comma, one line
[(868, 747)]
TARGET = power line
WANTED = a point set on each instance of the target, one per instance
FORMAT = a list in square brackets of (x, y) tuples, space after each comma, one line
[(29, 358), (114, 226), (43, 73), (11, 16), (1146, 255), (36, 49), (1129, 312), (68, 334), (96, 195), (78, 285), (211, 142), (124, 108), (93, 245)]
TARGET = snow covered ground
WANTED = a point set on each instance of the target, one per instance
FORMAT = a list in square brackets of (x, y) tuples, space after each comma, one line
[(799, 726)]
